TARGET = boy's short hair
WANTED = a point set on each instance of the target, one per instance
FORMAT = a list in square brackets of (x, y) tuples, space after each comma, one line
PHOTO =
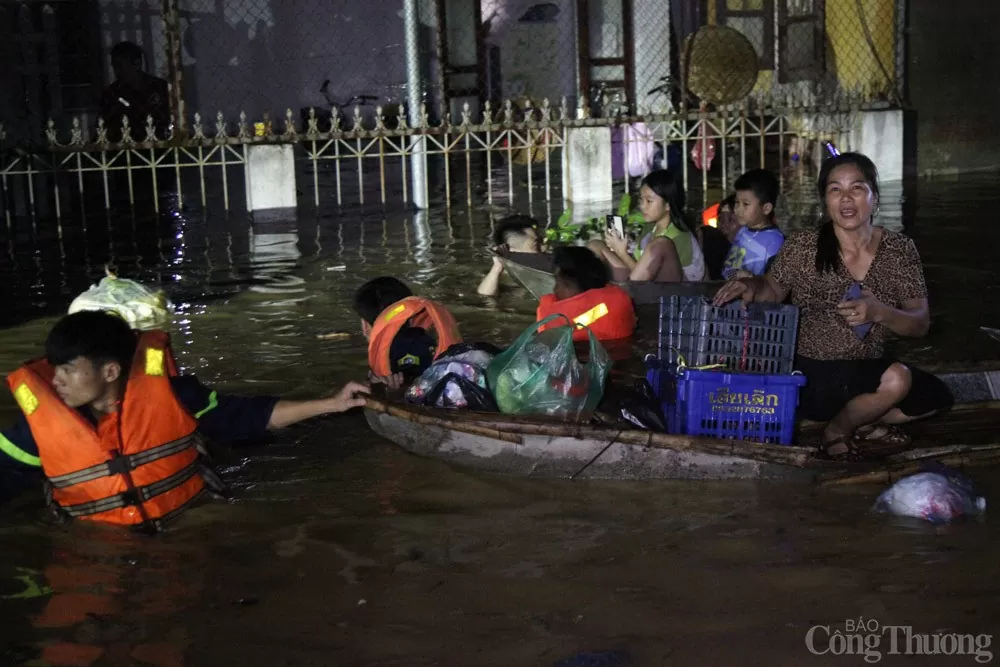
[(511, 227), (581, 268), (95, 335), (376, 295), (762, 183)]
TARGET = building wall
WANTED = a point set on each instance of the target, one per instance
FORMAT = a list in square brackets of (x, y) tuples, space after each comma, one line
[(954, 84), (855, 62), (850, 61)]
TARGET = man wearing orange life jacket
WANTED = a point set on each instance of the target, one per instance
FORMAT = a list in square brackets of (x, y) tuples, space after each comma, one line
[(116, 431), (405, 333), (582, 294)]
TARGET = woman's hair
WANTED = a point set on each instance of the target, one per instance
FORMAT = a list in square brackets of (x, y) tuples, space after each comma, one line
[(827, 248), (663, 184)]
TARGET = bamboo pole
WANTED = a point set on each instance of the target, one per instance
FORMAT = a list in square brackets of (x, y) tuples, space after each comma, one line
[(889, 475), (428, 420), (496, 427)]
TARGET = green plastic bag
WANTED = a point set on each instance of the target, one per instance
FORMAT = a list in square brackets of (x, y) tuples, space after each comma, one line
[(540, 374), (140, 306)]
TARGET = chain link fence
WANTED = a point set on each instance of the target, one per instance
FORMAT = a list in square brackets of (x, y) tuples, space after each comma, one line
[(605, 57), (263, 57)]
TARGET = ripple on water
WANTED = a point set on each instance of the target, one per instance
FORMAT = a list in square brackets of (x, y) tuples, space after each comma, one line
[(456, 567)]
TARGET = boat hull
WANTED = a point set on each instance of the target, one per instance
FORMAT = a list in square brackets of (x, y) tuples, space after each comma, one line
[(564, 456)]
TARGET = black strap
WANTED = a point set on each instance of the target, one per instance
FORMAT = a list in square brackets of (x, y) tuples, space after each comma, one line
[(142, 494), (123, 464)]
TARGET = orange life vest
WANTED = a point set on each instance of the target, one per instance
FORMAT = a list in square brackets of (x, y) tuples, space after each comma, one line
[(608, 311), (710, 216), (418, 312), (139, 465)]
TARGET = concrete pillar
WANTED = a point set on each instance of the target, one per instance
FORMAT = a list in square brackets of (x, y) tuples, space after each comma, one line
[(879, 135), (270, 182), (651, 34), (586, 167)]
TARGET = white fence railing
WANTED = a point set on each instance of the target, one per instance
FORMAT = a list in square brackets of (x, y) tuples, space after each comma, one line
[(512, 154)]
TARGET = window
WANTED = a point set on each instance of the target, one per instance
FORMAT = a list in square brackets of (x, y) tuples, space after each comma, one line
[(801, 40), (755, 19)]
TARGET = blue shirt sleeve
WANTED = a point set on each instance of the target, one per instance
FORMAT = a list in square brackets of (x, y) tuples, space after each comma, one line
[(222, 418)]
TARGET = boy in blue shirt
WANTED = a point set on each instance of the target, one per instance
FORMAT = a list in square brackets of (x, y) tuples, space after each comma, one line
[(758, 239)]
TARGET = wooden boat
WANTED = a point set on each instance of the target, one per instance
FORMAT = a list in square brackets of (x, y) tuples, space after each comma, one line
[(534, 271), (539, 447)]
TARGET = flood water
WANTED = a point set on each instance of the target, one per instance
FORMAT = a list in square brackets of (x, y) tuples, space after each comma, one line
[(341, 549)]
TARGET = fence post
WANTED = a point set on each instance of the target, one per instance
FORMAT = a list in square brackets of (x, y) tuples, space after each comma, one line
[(175, 65), (418, 156)]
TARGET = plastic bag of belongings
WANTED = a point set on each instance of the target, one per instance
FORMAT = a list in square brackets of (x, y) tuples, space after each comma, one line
[(140, 306), (938, 494), (456, 380)]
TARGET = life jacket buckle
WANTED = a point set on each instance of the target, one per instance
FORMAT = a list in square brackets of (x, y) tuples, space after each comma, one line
[(119, 465), (130, 498)]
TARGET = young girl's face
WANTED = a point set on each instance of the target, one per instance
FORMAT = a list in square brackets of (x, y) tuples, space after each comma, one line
[(653, 207)]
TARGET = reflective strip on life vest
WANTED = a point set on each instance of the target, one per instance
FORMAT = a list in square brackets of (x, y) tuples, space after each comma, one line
[(592, 315), (18, 454), (155, 363), (395, 311), (122, 463), (142, 494), (26, 399), (213, 403)]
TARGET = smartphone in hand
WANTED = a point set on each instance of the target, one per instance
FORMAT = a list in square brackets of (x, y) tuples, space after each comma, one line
[(616, 224), (852, 294)]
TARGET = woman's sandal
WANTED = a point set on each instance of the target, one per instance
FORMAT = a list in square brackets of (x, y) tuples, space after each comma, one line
[(851, 454), (881, 440)]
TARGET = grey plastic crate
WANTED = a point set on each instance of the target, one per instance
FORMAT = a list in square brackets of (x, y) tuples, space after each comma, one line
[(690, 326)]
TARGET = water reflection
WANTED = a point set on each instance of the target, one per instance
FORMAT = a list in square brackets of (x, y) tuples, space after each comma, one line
[(457, 567)]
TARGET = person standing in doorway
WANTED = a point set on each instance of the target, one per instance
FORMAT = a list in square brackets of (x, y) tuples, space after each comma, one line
[(135, 95)]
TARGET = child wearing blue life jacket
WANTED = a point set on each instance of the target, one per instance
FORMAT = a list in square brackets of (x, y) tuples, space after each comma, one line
[(759, 239)]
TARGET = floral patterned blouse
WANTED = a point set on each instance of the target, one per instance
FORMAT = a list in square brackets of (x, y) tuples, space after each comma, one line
[(896, 275)]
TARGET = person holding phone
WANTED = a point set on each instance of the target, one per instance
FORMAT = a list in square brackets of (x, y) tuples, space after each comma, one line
[(857, 285), (669, 252)]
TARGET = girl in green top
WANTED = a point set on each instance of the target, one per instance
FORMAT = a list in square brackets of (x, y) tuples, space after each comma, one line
[(668, 253)]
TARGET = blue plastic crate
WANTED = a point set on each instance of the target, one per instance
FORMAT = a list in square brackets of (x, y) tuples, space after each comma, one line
[(662, 377), (736, 406), (757, 339)]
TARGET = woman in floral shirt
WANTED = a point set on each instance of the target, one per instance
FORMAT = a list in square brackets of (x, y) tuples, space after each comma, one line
[(856, 285)]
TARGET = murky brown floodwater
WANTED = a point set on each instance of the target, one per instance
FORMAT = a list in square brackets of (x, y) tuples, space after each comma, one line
[(341, 549)]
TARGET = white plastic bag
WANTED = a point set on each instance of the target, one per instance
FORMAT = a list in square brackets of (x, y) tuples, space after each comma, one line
[(931, 496), (140, 306)]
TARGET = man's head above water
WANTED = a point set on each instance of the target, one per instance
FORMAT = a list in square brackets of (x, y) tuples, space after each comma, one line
[(375, 296), (91, 352), (517, 232)]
